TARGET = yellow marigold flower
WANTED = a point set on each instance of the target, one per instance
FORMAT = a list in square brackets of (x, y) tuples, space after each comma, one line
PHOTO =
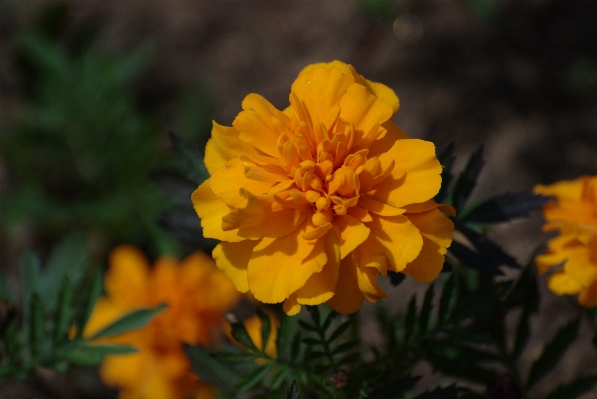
[(254, 325), (198, 296), (574, 215), (314, 202)]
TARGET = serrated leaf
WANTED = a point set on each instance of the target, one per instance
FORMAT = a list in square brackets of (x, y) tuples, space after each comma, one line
[(467, 180), (131, 321), (314, 312), (293, 392), (64, 312), (409, 320), (191, 160), (425, 316), (91, 291), (553, 351), (312, 341), (488, 249), (574, 389), (462, 368), (241, 335), (265, 327), (396, 278), (209, 369), (477, 303), (314, 355), (327, 322), (342, 328), (91, 355), (345, 347), (306, 326), (30, 271), (286, 331), (448, 299), (234, 357), (254, 378), (505, 207)]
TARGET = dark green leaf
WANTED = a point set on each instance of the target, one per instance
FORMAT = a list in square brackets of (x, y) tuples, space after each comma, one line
[(345, 347), (314, 312), (30, 271), (446, 158), (448, 299), (286, 332), (239, 333), (91, 291), (462, 368), (253, 379), (396, 278), (473, 259), (209, 369), (395, 389), (306, 326), (314, 355), (492, 253), (295, 347), (64, 313), (311, 341), (234, 357), (131, 321), (91, 355), (553, 351), (574, 389), (342, 328), (478, 302), (265, 326), (293, 392), (409, 320), (37, 325), (425, 316), (191, 160), (328, 320), (505, 207), (450, 392), (467, 180)]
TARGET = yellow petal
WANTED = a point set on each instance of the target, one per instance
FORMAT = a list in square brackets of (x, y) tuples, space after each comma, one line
[(255, 126), (385, 93), (436, 231), (564, 190), (348, 297), (379, 208), (225, 145), (233, 258), (280, 266), (365, 110), (320, 286), (351, 233), (383, 144), (562, 284), (316, 92), (227, 181), (589, 296), (367, 279), (291, 306), (211, 209), (580, 268), (394, 237), (262, 217), (416, 175), (127, 278)]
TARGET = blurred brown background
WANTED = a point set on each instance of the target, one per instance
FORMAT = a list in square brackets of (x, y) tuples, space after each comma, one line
[(518, 76)]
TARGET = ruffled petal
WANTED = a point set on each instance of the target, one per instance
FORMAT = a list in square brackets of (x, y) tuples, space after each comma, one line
[(367, 279), (436, 231), (280, 266), (351, 233), (233, 258), (126, 280), (415, 178), (227, 181), (562, 284), (348, 297), (211, 209)]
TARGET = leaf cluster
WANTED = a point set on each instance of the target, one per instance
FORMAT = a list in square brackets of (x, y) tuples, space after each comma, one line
[(47, 329)]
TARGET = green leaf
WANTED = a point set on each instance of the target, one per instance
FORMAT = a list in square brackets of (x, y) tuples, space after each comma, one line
[(253, 378), (64, 313), (239, 333), (446, 158), (553, 351), (30, 271), (293, 392), (448, 299), (37, 325), (131, 321), (314, 312), (342, 328), (425, 316), (449, 392), (345, 347), (327, 322), (266, 326), (467, 180), (306, 326), (574, 389), (395, 389), (284, 341), (191, 160), (209, 369), (409, 320), (91, 291), (91, 355), (505, 207)]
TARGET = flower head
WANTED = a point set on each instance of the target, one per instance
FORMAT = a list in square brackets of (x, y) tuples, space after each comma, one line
[(198, 296), (312, 203), (574, 215)]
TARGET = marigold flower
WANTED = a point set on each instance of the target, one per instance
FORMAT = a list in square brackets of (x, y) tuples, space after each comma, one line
[(254, 325), (574, 215), (198, 296), (314, 202)]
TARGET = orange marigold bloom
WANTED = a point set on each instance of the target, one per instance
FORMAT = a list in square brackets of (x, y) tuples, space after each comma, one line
[(198, 296), (574, 215), (314, 202)]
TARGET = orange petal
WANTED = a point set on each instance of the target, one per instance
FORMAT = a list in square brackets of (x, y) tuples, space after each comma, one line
[(228, 180), (233, 258), (416, 175), (367, 279), (280, 266), (351, 233), (379, 208), (127, 278), (211, 209), (383, 144), (348, 297)]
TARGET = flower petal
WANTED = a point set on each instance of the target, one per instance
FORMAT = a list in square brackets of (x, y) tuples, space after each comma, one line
[(415, 178), (436, 231), (562, 284), (383, 144), (367, 279), (280, 266), (291, 306), (126, 280), (211, 209), (351, 233), (348, 297), (233, 258), (320, 286), (227, 181)]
